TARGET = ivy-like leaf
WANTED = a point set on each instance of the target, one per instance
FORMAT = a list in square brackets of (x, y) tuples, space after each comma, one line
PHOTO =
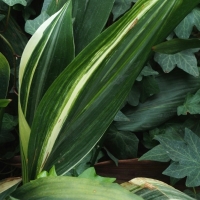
[(14, 2), (32, 25), (9, 122), (191, 104), (148, 87), (184, 29), (158, 153), (186, 157), (147, 71), (148, 138), (168, 132), (120, 7), (184, 60), (122, 144)]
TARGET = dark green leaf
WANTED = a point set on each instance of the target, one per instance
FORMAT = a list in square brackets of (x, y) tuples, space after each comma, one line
[(176, 45), (191, 104), (134, 96), (184, 60), (9, 122), (6, 137), (186, 157), (148, 138), (163, 106), (4, 77), (17, 39), (90, 19), (148, 87), (120, 7), (147, 71), (120, 117), (193, 194), (122, 144), (111, 156)]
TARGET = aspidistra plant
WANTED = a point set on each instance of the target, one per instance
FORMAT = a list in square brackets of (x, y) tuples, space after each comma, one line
[(66, 121)]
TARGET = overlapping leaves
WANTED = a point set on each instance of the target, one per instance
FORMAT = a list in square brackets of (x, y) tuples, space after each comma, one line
[(183, 151), (191, 104), (184, 29), (184, 60)]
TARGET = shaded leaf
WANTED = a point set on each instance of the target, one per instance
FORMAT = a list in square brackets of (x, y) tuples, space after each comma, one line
[(122, 144), (163, 106), (184, 60), (120, 117), (134, 96), (184, 29), (147, 71), (111, 156), (53, 188), (6, 137), (186, 157), (150, 189), (191, 104), (148, 138), (148, 87), (176, 45), (2, 17), (4, 77), (9, 122), (120, 7)]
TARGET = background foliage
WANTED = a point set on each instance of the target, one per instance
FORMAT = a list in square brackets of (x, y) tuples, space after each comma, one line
[(161, 112)]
